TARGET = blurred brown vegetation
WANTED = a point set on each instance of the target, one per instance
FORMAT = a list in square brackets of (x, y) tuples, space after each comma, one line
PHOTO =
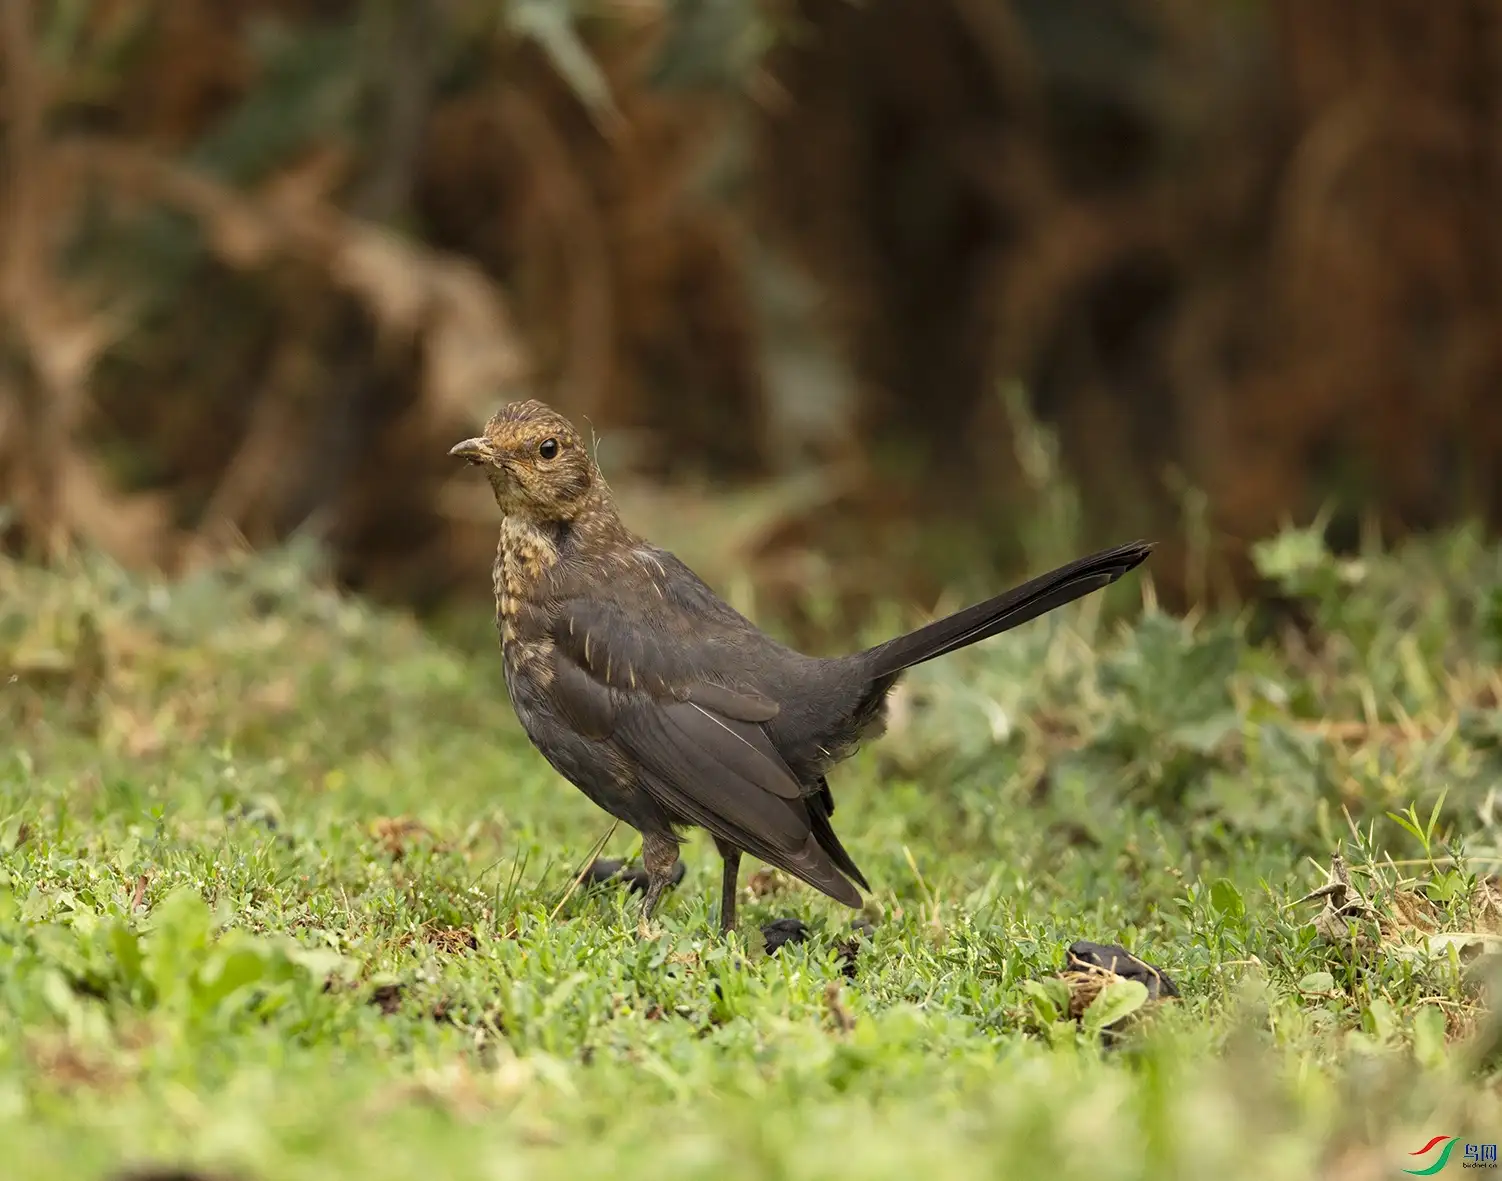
[(261, 261)]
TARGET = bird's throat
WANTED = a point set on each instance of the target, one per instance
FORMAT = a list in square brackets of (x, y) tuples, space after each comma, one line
[(524, 556)]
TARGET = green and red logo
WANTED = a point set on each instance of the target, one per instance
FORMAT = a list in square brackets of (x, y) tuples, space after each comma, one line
[(1477, 1156), (1440, 1162)]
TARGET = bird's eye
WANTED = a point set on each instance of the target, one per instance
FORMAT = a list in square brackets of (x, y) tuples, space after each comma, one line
[(548, 449)]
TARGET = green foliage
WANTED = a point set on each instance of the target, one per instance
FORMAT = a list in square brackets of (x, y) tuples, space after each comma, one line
[(1115, 1002), (290, 898), (174, 966)]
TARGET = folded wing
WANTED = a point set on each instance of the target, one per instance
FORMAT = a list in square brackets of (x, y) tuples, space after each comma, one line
[(699, 747)]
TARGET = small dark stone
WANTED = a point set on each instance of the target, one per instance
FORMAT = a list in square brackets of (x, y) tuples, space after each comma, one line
[(257, 811), (613, 871), (1073, 835), (387, 997), (780, 931), (791, 930), (262, 603), (1083, 954)]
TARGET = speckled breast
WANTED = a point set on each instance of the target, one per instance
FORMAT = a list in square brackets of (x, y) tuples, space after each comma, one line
[(523, 558)]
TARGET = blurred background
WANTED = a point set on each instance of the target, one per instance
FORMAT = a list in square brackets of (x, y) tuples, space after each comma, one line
[(876, 298)]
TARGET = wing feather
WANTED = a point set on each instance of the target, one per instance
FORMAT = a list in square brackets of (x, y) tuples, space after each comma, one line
[(699, 747)]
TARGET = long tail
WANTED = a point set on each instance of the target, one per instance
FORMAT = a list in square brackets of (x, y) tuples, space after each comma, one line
[(1006, 611)]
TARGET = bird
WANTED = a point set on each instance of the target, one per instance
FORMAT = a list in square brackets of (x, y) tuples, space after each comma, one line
[(664, 705)]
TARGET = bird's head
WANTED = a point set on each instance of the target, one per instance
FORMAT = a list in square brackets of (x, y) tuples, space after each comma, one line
[(535, 461)]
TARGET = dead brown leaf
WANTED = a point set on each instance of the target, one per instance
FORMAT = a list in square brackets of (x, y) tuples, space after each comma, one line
[(138, 895), (141, 736), (69, 1066), (274, 697), (1085, 984), (394, 833), (452, 940), (766, 881), (834, 1003)]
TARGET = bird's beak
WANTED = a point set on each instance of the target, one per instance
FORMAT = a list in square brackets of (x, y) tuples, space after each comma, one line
[(477, 450)]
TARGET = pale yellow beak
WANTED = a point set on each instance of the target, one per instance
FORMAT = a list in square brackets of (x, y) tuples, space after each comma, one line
[(477, 450)]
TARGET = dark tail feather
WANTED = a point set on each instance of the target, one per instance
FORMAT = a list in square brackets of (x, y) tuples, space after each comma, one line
[(1007, 610), (820, 809)]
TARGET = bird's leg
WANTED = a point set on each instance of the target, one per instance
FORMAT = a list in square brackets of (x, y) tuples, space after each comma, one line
[(732, 858), (659, 854)]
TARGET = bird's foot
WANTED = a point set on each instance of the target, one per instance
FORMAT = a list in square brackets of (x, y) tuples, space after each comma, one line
[(612, 871)]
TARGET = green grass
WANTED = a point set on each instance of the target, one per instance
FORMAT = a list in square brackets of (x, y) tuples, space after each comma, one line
[(284, 893)]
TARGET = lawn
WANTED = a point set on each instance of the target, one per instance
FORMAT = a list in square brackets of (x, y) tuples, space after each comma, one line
[(285, 894)]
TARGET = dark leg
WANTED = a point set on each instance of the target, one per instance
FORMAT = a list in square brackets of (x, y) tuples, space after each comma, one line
[(732, 858), (659, 854)]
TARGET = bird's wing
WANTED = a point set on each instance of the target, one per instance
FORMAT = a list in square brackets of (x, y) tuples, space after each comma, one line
[(724, 775), (699, 747), (659, 648)]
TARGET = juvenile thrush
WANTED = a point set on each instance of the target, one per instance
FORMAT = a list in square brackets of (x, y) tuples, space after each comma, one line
[(667, 707)]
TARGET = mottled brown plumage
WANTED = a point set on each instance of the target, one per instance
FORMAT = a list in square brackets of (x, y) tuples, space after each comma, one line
[(663, 704)]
